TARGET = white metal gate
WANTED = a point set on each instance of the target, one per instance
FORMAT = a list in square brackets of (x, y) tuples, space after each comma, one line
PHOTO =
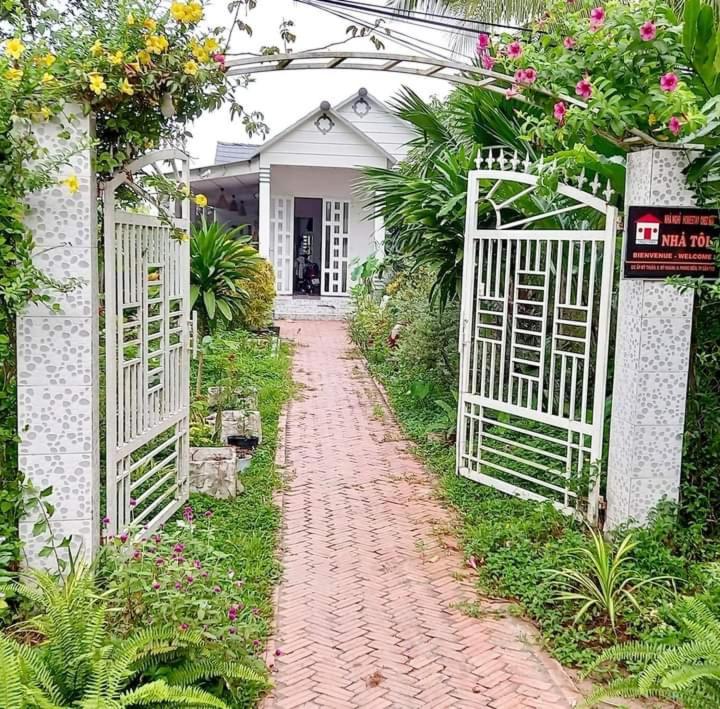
[(534, 336), (147, 289), (282, 223), (335, 247)]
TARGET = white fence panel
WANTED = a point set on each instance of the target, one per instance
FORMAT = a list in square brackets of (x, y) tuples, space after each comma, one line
[(534, 341), (147, 325)]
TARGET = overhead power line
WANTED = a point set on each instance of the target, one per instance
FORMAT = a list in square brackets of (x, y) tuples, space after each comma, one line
[(427, 19)]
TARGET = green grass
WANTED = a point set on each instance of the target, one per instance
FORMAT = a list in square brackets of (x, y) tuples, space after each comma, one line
[(247, 528)]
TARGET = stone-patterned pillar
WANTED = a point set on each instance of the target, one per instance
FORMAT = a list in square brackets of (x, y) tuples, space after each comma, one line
[(58, 358), (652, 358), (264, 207)]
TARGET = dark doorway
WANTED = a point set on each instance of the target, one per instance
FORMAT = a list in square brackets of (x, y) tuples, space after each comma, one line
[(308, 246)]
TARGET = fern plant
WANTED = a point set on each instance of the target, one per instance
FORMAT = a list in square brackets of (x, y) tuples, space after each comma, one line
[(79, 664), (684, 667), (609, 585)]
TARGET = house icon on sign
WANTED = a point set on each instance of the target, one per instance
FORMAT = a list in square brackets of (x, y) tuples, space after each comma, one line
[(647, 231)]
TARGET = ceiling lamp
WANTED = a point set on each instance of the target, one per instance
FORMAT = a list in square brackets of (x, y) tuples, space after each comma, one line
[(233, 204), (222, 203)]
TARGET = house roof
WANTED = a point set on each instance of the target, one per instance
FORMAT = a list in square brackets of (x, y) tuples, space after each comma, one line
[(234, 152), (649, 218)]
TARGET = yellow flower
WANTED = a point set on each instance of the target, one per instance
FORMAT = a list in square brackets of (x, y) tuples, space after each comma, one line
[(14, 48), (13, 74), (126, 88), (116, 58), (144, 57), (194, 11), (45, 112), (130, 20), (190, 68), (201, 200), (156, 44), (652, 119), (211, 44), (47, 78), (149, 24), (179, 11), (96, 50), (199, 52), (72, 183), (97, 83), (49, 59)]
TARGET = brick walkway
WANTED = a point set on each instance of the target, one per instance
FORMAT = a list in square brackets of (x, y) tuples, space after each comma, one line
[(367, 611)]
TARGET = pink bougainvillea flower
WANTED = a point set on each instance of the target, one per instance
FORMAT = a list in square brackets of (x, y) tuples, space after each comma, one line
[(514, 50), (569, 43), (674, 125), (597, 15), (483, 42), (488, 61), (559, 111), (648, 31), (583, 88), (669, 82)]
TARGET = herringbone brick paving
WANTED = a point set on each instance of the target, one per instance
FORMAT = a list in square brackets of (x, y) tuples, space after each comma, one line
[(367, 611)]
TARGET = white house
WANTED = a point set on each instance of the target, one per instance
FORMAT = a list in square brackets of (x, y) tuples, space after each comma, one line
[(297, 194)]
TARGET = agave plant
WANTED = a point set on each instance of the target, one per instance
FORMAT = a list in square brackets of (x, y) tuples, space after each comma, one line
[(79, 664), (682, 667), (609, 585), (220, 260)]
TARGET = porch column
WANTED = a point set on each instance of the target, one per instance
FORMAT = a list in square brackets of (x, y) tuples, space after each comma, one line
[(652, 359), (264, 212), (58, 351)]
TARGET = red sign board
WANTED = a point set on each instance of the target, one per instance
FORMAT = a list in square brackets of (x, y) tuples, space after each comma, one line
[(672, 241)]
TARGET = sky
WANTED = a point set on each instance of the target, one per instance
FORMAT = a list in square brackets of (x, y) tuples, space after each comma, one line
[(284, 97)]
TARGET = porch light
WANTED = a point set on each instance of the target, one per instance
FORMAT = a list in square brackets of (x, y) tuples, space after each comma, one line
[(222, 203), (233, 204)]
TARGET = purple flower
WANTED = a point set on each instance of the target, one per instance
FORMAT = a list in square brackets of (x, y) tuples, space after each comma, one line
[(232, 630), (180, 560), (233, 613), (156, 585), (184, 627), (209, 514), (197, 564), (137, 555), (256, 643), (178, 586), (123, 537), (190, 579), (160, 561), (204, 574), (105, 521), (188, 514), (179, 548), (156, 538), (133, 502), (217, 589), (279, 652)]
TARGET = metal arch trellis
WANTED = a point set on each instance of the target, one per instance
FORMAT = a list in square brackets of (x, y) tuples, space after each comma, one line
[(408, 64), (535, 330), (147, 338)]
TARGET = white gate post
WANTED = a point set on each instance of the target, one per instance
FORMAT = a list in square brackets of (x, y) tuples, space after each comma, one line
[(652, 356), (58, 375)]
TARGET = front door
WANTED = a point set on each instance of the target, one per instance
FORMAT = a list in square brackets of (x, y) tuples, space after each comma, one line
[(335, 247), (281, 243)]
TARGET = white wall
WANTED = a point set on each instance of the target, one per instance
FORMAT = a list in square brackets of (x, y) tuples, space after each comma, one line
[(382, 126), (306, 145), (334, 183)]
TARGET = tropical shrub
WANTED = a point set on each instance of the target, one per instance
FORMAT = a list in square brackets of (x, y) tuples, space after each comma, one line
[(682, 665), (258, 308), (608, 586), (78, 662), (221, 262)]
